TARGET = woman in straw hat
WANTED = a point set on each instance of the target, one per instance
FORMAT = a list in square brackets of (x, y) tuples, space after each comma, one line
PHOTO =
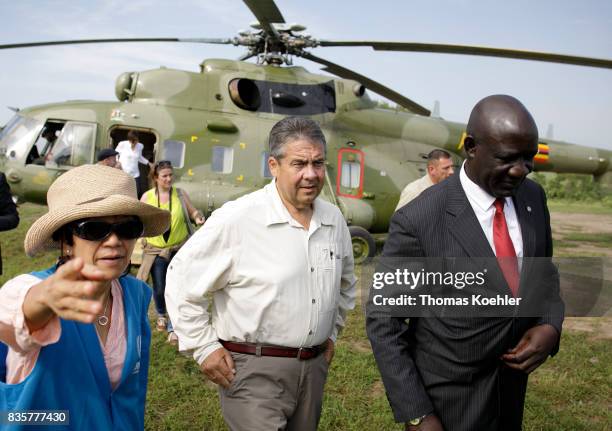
[(78, 333)]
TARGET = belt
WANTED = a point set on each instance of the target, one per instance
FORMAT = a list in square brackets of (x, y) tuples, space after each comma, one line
[(282, 352)]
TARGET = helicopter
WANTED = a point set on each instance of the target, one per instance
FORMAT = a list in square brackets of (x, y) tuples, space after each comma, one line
[(213, 125)]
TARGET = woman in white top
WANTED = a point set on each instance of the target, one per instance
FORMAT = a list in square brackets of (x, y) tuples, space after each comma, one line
[(130, 154)]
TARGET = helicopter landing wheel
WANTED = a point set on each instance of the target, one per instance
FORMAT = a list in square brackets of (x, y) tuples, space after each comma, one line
[(364, 246)]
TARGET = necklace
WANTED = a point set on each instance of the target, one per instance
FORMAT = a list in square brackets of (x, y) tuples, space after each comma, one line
[(103, 318)]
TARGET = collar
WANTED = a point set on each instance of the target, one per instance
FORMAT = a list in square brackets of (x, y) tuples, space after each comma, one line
[(276, 212), (427, 180), (477, 195)]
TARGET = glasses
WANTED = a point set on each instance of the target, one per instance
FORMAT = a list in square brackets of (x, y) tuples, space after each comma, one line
[(163, 164), (92, 230)]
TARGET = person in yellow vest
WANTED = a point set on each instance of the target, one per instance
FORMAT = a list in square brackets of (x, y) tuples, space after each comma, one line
[(159, 250)]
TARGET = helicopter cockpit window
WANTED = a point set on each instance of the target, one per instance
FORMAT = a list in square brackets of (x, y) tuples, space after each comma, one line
[(74, 146), (284, 98), (222, 159), (174, 151), (265, 168), (40, 153), (18, 135)]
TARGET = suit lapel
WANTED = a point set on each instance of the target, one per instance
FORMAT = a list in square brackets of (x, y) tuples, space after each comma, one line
[(523, 212), (525, 218), (462, 222)]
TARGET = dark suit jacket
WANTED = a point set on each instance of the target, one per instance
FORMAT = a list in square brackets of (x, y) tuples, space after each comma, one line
[(451, 365), (9, 219)]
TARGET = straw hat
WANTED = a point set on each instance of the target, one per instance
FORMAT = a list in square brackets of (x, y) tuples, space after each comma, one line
[(92, 191)]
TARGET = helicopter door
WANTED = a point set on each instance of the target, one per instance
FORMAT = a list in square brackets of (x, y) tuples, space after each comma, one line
[(148, 139), (349, 182)]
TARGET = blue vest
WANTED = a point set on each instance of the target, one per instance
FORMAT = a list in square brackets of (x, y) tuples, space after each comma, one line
[(71, 374)]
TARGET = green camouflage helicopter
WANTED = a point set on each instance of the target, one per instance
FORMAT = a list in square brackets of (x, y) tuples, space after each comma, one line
[(213, 125)]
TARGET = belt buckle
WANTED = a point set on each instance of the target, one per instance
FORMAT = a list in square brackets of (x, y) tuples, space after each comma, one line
[(299, 354)]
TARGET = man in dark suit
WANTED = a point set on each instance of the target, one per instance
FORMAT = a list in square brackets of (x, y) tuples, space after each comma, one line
[(470, 373), (9, 219)]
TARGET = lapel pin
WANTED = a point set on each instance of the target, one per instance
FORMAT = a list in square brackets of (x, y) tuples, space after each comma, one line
[(528, 209)]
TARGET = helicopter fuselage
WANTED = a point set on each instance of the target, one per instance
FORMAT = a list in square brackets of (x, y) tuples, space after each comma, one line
[(214, 127)]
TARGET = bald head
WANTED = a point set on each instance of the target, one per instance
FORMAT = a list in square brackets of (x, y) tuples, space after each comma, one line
[(501, 142), (501, 115)]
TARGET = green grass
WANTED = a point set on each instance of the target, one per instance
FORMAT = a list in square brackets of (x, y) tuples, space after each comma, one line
[(583, 207), (569, 392), (600, 239)]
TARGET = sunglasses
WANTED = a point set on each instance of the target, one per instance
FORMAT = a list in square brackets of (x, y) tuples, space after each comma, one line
[(163, 164), (92, 230)]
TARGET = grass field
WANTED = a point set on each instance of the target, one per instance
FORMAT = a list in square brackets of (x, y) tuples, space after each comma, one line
[(570, 392)]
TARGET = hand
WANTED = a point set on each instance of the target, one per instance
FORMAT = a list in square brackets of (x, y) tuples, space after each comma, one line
[(74, 292), (430, 423), (219, 367), (329, 351), (532, 349), (199, 219)]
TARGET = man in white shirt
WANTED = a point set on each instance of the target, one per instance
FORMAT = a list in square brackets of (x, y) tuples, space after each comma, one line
[(439, 167), (130, 155), (453, 373), (279, 265)]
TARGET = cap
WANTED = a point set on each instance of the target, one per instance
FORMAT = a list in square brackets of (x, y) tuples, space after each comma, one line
[(106, 153)]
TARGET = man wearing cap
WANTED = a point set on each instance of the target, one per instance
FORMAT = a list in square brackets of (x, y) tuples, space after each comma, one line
[(108, 157), (279, 265)]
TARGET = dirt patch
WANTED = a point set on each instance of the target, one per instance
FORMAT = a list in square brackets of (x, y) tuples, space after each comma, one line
[(598, 328), (564, 224), (586, 223), (360, 346), (581, 249), (377, 390)]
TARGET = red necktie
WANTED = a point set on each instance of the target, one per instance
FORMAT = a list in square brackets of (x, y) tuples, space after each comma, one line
[(504, 249)]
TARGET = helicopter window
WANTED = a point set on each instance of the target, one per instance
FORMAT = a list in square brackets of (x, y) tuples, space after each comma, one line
[(284, 98), (174, 151), (17, 136), (222, 159), (41, 151), (75, 145), (350, 178), (265, 168), (351, 172)]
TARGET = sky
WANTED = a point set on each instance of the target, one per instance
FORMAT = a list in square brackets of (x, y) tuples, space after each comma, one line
[(577, 101)]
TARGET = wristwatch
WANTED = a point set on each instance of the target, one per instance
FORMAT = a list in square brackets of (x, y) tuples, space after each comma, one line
[(417, 421)]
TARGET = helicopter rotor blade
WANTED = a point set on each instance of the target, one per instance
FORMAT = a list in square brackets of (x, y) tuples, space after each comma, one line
[(476, 50), (144, 39), (376, 87), (266, 13)]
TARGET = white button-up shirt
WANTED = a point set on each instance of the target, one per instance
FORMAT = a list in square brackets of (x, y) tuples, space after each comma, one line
[(272, 281), (130, 158), (482, 204)]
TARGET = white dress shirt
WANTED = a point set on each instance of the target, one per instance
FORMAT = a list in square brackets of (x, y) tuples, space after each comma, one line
[(482, 204), (130, 158), (272, 281)]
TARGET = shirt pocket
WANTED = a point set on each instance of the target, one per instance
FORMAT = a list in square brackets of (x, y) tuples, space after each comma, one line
[(329, 269)]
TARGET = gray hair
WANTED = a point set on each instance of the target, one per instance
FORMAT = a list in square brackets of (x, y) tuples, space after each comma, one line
[(291, 128)]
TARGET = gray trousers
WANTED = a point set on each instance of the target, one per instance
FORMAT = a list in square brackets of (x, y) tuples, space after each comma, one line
[(270, 394)]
